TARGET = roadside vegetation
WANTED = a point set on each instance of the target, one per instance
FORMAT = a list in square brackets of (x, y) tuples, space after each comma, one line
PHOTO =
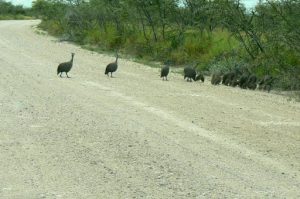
[(9, 11), (213, 36)]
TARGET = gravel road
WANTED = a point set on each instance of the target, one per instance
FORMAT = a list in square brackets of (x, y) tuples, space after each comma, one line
[(134, 136)]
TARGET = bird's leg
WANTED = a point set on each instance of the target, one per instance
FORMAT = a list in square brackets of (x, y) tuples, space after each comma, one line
[(60, 75), (166, 78), (67, 75), (111, 75)]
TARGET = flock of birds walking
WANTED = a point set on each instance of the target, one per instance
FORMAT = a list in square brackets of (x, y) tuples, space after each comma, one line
[(244, 80), (234, 78)]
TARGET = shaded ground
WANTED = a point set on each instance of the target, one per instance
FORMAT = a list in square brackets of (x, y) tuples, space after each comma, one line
[(134, 136)]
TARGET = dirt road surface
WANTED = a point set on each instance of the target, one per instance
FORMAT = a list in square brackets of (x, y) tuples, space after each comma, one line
[(134, 136)]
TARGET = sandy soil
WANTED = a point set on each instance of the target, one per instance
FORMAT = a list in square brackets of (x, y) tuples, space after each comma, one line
[(134, 136)]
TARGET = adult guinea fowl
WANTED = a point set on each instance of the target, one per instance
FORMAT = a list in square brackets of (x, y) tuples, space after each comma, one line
[(200, 76), (216, 78), (190, 74), (65, 66), (243, 80), (164, 72), (252, 82), (266, 83), (228, 78), (112, 67)]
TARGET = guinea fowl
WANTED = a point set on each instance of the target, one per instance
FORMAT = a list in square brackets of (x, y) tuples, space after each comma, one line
[(266, 83), (252, 82), (228, 78), (216, 78), (112, 67), (164, 72), (65, 66), (190, 74), (231, 78), (243, 81), (200, 77)]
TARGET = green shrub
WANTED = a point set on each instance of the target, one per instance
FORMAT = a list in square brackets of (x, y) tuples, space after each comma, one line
[(94, 37), (53, 27)]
